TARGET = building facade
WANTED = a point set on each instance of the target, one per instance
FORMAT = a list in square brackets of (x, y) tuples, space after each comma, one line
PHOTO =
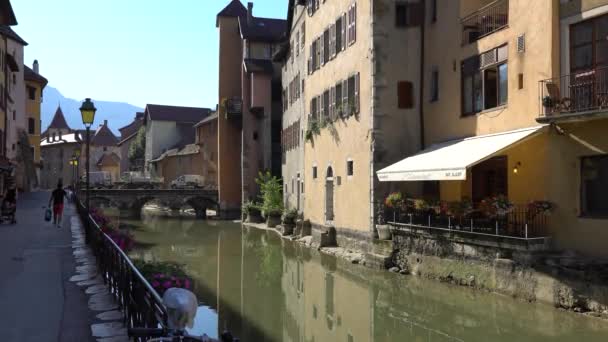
[(360, 93), (35, 84), (249, 120), (127, 136), (206, 138), (57, 150), (293, 58)]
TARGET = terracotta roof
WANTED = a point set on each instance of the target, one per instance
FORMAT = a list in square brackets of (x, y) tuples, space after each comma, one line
[(109, 159), (30, 75), (234, 9), (258, 65), (104, 136), (176, 114), (263, 29), (210, 118), (8, 32), (58, 121)]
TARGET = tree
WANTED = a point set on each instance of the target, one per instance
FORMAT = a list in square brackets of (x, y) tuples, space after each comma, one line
[(137, 150)]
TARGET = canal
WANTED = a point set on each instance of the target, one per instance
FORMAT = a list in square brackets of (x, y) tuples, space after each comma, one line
[(264, 288)]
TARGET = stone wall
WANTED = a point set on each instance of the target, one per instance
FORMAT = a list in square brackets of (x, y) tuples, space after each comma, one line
[(561, 279)]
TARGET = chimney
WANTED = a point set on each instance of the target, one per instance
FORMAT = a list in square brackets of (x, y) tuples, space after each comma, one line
[(250, 13), (36, 66), (59, 135)]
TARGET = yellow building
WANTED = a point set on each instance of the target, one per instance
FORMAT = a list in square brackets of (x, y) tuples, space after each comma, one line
[(515, 105), (35, 84)]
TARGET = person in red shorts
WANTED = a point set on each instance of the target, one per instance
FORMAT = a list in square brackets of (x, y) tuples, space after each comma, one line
[(56, 199)]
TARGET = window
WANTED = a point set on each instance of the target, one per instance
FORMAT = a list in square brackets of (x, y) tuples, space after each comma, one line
[(297, 48), (352, 24), (31, 93), (105, 149), (401, 15), (405, 95), (485, 81), (594, 182), (588, 44), (434, 85), (344, 31), (332, 40), (314, 172), (313, 109), (31, 126), (339, 32), (349, 168)]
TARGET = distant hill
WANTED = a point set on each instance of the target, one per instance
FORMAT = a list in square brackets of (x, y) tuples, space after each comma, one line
[(118, 114)]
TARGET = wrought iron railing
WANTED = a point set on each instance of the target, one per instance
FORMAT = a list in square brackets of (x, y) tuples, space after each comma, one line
[(521, 222), (486, 20), (575, 93), (140, 304)]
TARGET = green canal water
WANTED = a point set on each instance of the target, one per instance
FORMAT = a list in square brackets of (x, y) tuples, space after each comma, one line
[(263, 288)]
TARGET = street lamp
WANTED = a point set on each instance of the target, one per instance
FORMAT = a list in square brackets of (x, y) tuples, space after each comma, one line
[(87, 111)]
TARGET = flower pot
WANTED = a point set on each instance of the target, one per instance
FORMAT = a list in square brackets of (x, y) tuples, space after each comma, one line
[(287, 229), (254, 217), (273, 220), (384, 232)]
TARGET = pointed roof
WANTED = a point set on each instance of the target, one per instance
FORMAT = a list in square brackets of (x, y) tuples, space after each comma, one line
[(234, 9), (31, 75), (58, 121), (109, 159), (8, 32), (104, 136), (7, 15)]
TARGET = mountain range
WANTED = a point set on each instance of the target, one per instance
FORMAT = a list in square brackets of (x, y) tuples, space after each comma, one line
[(118, 114)]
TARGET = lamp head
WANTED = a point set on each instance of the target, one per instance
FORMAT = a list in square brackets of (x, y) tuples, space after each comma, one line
[(181, 307), (87, 111)]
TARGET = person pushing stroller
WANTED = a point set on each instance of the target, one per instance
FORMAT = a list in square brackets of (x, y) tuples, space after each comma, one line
[(9, 205)]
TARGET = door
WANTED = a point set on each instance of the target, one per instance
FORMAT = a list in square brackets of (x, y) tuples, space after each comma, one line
[(490, 178), (329, 195)]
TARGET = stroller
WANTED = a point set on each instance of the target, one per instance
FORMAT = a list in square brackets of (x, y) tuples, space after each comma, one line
[(7, 212)]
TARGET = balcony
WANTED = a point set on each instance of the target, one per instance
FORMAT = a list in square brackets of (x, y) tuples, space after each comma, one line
[(574, 97), (234, 107), (485, 21)]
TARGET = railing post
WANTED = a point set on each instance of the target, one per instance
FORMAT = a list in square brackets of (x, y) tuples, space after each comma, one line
[(526, 231), (429, 216), (410, 219), (471, 225), (449, 223), (497, 227)]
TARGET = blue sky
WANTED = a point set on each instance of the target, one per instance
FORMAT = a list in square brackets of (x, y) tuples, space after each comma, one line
[(135, 51)]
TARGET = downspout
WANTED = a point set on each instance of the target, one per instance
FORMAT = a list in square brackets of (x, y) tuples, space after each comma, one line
[(372, 149), (422, 72)]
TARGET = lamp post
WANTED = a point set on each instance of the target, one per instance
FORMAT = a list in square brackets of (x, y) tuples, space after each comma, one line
[(87, 111)]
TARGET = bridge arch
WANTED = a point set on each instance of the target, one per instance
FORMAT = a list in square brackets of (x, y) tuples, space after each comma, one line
[(201, 204)]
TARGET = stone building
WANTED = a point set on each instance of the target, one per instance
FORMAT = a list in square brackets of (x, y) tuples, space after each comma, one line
[(35, 84), (294, 120), (363, 111), (104, 152), (249, 114), (57, 150), (127, 136), (206, 138)]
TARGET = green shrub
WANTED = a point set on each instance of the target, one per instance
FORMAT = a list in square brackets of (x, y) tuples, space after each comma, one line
[(271, 194)]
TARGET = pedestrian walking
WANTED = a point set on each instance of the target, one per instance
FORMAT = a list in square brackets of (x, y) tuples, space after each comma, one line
[(56, 199)]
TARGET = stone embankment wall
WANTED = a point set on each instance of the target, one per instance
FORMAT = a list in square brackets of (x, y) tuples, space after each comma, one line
[(564, 280)]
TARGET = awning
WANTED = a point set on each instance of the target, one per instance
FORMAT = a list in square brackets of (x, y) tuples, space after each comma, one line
[(450, 160)]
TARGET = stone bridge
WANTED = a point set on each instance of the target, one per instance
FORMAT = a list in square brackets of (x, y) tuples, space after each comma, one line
[(133, 200)]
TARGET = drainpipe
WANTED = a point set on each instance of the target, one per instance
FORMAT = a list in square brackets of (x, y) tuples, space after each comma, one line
[(422, 72)]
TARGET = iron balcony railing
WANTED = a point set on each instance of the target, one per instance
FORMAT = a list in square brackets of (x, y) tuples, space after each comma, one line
[(522, 222), (486, 20), (139, 302), (578, 93)]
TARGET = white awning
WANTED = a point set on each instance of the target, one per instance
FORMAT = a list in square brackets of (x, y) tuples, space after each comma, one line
[(450, 160)]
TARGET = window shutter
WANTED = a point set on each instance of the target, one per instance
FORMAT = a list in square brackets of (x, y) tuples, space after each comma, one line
[(354, 37), (310, 66), (322, 50), (344, 31), (309, 5), (357, 93), (332, 103), (345, 97), (405, 95)]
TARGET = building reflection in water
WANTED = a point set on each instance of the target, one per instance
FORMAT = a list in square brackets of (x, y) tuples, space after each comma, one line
[(263, 288)]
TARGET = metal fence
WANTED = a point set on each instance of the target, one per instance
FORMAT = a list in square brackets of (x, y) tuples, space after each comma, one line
[(484, 21), (140, 303), (521, 222), (574, 93)]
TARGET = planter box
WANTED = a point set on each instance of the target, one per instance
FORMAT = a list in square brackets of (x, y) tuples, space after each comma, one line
[(254, 218), (273, 220), (287, 229), (384, 232)]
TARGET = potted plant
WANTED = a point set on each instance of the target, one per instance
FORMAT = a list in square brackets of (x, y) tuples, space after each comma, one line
[(289, 221), (383, 229), (252, 212), (272, 198), (548, 102)]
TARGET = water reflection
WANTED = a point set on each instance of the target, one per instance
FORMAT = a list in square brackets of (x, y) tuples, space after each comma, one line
[(263, 288)]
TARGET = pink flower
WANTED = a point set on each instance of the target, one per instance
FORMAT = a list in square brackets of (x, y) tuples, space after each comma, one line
[(167, 284), (155, 284), (186, 284)]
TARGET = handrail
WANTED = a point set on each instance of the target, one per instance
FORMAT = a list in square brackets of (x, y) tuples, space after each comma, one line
[(140, 304), (480, 9)]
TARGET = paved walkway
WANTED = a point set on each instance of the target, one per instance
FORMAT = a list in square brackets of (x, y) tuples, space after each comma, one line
[(49, 287)]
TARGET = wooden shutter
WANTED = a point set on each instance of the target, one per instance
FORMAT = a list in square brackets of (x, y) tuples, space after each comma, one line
[(344, 31), (357, 93), (405, 95), (322, 49), (345, 109), (354, 34), (332, 103)]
